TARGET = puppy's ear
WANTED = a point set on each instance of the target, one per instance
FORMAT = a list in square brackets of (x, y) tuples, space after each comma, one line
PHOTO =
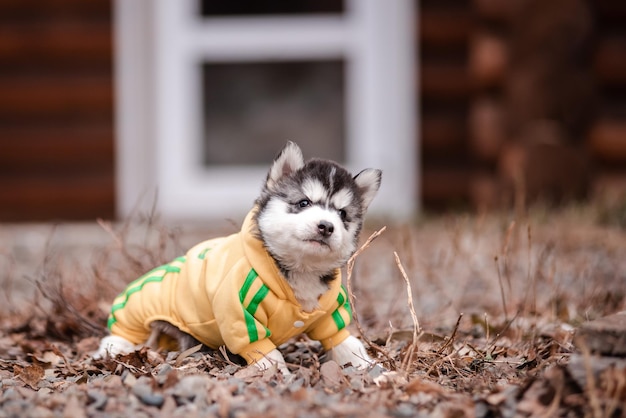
[(286, 162), (368, 182)]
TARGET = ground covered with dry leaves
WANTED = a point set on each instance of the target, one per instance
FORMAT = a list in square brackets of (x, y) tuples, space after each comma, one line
[(466, 315)]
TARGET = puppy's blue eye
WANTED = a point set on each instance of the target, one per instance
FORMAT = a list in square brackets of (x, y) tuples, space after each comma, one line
[(342, 214), (304, 203)]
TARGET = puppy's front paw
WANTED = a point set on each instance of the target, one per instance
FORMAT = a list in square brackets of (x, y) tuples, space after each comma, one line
[(351, 350), (274, 357), (113, 345)]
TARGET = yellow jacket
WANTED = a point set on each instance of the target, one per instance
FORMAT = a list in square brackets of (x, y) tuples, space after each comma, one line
[(229, 291)]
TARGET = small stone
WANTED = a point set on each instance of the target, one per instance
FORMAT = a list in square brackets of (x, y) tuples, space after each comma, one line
[(332, 375), (164, 369), (40, 412), (130, 380), (15, 408), (295, 385), (191, 386), (98, 399), (405, 409), (151, 399), (376, 371), (605, 336), (578, 365), (143, 390), (44, 391)]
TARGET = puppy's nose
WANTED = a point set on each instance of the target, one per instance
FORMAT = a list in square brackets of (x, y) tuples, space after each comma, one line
[(325, 228)]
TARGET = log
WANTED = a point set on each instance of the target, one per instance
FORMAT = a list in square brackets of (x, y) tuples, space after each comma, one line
[(614, 9), (443, 185), (609, 187), (443, 134), (444, 81), (444, 27), (31, 96), (578, 366), (554, 172), (498, 10), (43, 148), (35, 8), (606, 336), (488, 58), (83, 196), (547, 78), (485, 192), (486, 126), (607, 140), (69, 44), (610, 61)]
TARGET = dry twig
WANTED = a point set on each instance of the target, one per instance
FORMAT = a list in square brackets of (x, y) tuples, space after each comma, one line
[(352, 298), (451, 339), (504, 308), (590, 386), (416, 325)]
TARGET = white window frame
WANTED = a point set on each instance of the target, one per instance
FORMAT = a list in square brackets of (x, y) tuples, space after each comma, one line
[(159, 47)]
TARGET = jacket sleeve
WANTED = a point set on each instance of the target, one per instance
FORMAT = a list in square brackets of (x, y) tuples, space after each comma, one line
[(240, 321), (331, 330)]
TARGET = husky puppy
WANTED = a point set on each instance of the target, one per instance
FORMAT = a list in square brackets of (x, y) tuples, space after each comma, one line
[(276, 278)]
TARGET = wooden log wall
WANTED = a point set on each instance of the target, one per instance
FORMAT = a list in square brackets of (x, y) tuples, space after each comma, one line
[(444, 27), (607, 137), (522, 100), (534, 101), (56, 110), (476, 60)]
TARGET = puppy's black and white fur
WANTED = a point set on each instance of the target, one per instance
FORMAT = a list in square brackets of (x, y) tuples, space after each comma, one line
[(309, 216)]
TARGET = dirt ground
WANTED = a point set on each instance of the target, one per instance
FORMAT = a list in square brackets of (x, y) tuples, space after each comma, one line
[(466, 315)]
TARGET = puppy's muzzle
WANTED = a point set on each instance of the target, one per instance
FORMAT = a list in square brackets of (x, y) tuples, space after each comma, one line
[(325, 228)]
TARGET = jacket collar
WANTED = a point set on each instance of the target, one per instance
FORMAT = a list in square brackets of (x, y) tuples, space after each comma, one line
[(266, 267)]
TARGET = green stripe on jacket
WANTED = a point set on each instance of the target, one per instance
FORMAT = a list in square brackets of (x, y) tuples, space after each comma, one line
[(138, 284), (342, 302), (250, 310)]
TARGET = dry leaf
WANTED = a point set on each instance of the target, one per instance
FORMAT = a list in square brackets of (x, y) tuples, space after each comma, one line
[(31, 375), (390, 379), (182, 356), (423, 386), (332, 375), (449, 264)]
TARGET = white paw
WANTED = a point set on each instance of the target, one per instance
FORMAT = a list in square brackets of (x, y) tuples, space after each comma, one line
[(112, 345), (272, 358), (351, 350)]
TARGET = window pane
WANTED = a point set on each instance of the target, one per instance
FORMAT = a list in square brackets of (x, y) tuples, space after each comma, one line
[(251, 110), (210, 8)]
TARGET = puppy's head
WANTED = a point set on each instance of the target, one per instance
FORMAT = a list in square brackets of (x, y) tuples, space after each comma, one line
[(310, 214)]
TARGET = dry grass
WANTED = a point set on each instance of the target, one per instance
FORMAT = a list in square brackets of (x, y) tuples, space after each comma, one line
[(470, 315)]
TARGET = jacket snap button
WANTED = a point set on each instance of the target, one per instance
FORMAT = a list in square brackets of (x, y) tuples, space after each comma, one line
[(298, 324)]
